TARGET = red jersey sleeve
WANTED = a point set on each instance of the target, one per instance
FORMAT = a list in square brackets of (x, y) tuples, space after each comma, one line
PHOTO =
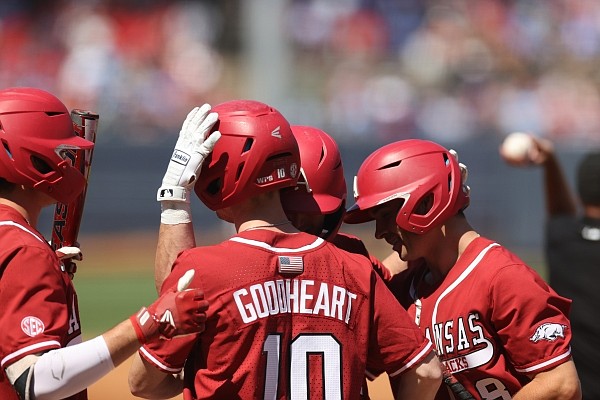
[(38, 312), (396, 342), (537, 336), (170, 355)]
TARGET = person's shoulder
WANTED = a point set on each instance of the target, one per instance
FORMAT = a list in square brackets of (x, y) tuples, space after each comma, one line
[(487, 249), (15, 235), (209, 250), (350, 243), (495, 262), (488, 257), (350, 257)]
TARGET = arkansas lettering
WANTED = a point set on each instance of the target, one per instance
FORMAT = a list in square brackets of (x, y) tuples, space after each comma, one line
[(296, 296)]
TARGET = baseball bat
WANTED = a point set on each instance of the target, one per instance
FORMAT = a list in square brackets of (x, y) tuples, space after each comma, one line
[(455, 386), (67, 217)]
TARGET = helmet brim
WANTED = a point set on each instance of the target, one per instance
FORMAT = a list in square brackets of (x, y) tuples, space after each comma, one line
[(79, 142), (354, 215)]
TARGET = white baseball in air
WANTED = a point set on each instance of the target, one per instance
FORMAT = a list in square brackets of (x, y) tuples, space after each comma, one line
[(516, 146)]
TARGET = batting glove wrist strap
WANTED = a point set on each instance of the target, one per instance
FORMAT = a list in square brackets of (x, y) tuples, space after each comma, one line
[(145, 325), (173, 193), (178, 312)]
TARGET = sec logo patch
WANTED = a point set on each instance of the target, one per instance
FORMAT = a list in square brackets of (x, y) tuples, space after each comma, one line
[(32, 326)]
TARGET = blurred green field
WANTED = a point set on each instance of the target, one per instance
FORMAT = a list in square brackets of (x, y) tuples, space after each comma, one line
[(107, 299), (114, 279)]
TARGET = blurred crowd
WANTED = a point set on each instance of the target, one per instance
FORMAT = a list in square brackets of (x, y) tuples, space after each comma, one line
[(362, 69)]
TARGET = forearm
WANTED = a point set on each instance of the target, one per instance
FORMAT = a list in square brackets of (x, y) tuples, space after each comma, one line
[(560, 383), (194, 144), (421, 382), (146, 381), (559, 198), (172, 239), (83, 364), (122, 342), (63, 372)]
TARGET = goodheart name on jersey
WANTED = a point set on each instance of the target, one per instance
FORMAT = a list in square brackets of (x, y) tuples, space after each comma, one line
[(296, 296)]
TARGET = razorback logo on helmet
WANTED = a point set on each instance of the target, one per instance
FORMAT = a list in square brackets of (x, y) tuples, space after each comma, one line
[(549, 332), (32, 326)]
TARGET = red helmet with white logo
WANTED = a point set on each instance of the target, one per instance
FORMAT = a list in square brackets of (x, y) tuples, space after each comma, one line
[(321, 188), (257, 153), (413, 170), (35, 130)]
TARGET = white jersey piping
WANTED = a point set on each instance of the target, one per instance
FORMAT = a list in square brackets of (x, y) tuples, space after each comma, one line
[(263, 245)]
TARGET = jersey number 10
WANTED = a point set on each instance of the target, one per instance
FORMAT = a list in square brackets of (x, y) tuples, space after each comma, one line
[(301, 347)]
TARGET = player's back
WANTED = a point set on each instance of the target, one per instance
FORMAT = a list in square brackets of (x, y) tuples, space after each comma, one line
[(290, 317)]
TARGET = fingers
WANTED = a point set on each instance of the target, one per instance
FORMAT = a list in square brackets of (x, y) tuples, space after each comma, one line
[(464, 172), (198, 122), (185, 280), (199, 117), (203, 118), (69, 252), (209, 143), (188, 119), (207, 122), (454, 153)]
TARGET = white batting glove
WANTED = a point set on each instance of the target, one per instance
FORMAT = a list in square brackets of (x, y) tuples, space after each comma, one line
[(184, 167), (67, 256), (464, 172), (69, 253), (190, 151)]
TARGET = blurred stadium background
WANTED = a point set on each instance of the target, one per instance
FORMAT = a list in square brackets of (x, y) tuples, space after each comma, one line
[(461, 72)]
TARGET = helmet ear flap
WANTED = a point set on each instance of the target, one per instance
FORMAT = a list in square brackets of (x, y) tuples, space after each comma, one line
[(333, 221)]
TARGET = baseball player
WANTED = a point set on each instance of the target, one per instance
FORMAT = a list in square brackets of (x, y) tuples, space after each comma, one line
[(572, 247), (41, 351), (317, 204), (498, 328), (294, 316)]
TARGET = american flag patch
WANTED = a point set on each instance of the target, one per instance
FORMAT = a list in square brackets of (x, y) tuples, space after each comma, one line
[(291, 265)]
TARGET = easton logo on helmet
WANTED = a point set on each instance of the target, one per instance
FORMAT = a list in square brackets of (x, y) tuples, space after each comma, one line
[(276, 132)]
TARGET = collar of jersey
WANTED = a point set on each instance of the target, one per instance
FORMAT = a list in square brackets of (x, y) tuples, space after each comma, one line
[(257, 243)]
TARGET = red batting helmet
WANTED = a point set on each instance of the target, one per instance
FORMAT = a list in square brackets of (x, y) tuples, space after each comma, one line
[(256, 153), (36, 130), (411, 170), (321, 188)]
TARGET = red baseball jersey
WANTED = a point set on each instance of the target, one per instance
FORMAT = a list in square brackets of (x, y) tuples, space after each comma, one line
[(492, 320), (38, 304), (291, 316)]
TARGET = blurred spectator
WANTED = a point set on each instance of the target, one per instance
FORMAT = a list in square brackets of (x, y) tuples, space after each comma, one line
[(452, 70)]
